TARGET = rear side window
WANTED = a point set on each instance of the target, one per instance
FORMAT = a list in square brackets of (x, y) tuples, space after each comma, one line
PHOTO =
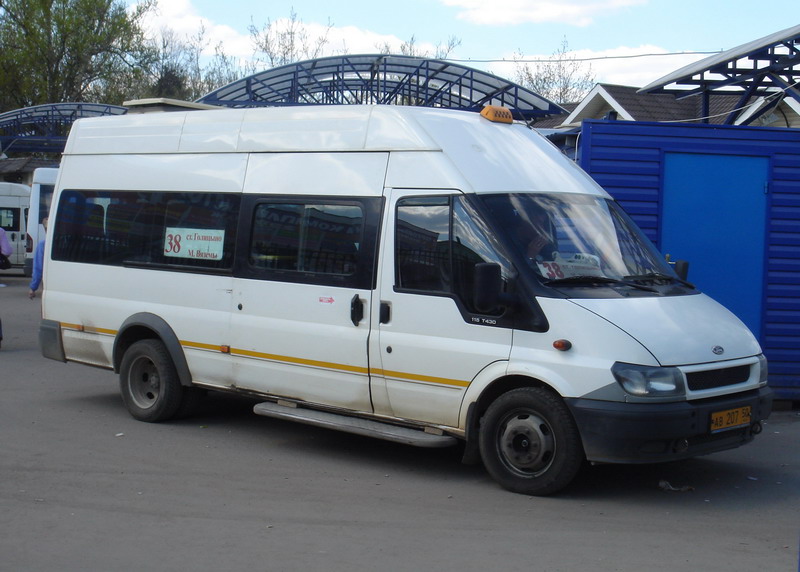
[(309, 240), (193, 231), (9, 219), (45, 196)]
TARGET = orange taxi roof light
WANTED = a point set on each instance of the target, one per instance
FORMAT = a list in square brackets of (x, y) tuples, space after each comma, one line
[(497, 114)]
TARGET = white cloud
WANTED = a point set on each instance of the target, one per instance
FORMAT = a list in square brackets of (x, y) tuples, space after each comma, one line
[(181, 17), (352, 40), (608, 66), (511, 12)]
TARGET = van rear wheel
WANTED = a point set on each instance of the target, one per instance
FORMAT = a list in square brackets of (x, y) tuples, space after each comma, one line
[(529, 442), (149, 382)]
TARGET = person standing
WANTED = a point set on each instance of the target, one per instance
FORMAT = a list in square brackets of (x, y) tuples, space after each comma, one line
[(5, 246), (38, 265), (6, 250)]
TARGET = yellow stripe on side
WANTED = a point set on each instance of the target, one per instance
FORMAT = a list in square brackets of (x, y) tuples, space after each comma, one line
[(300, 361), (398, 375), (403, 376), (199, 346), (99, 330), (87, 329)]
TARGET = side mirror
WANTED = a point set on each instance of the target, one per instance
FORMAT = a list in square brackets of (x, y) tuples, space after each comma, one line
[(682, 269), (487, 286)]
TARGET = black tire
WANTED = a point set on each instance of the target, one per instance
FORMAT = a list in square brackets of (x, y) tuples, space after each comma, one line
[(149, 382), (529, 442)]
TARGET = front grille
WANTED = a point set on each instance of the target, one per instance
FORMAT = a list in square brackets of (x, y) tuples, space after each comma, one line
[(712, 378)]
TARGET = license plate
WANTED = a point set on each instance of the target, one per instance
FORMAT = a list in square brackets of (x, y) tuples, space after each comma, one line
[(730, 419)]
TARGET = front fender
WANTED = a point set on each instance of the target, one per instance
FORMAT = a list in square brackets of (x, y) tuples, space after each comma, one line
[(487, 376)]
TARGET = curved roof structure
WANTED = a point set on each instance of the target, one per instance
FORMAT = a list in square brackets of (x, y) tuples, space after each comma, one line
[(44, 128), (381, 79), (769, 66)]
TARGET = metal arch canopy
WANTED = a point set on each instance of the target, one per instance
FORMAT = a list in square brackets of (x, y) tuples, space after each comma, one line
[(381, 79), (755, 69), (44, 128)]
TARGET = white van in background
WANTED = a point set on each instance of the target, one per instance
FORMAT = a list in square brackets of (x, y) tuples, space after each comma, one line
[(421, 275), (42, 187), (14, 201)]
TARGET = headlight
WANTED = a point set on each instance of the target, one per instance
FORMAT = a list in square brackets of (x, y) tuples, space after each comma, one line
[(646, 381), (762, 370)]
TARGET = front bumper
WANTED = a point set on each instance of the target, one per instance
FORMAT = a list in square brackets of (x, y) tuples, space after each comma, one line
[(614, 432)]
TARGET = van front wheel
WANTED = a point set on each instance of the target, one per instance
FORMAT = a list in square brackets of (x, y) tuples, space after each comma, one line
[(529, 442), (149, 382)]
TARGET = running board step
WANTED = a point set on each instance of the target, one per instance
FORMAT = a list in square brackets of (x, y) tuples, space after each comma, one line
[(354, 425)]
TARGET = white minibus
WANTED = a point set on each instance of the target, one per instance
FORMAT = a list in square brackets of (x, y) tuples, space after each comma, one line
[(14, 201), (42, 187), (428, 276)]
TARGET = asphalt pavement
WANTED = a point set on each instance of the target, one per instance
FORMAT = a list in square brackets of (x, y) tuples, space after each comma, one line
[(83, 486)]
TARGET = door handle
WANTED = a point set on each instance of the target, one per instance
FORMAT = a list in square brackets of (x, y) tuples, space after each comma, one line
[(385, 313), (356, 310)]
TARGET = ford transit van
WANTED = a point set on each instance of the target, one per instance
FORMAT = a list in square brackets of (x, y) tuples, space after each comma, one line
[(427, 276), (14, 201)]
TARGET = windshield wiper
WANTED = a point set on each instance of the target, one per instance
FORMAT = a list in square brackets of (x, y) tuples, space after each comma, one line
[(588, 279), (660, 276)]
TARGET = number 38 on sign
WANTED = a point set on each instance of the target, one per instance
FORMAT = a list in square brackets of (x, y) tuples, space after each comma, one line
[(194, 243)]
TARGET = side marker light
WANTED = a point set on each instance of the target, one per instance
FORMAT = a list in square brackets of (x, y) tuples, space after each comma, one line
[(562, 345)]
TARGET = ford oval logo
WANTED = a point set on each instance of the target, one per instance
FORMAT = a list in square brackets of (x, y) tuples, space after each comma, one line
[(718, 350)]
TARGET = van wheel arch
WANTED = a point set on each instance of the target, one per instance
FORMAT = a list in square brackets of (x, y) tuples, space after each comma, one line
[(478, 408), (145, 325)]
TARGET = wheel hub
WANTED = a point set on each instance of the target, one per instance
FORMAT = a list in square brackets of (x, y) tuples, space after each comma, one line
[(145, 384), (527, 443)]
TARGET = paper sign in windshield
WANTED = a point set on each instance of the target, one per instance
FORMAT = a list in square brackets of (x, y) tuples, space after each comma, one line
[(194, 243), (578, 264)]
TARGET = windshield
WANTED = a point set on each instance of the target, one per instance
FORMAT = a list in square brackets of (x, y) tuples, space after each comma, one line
[(569, 237)]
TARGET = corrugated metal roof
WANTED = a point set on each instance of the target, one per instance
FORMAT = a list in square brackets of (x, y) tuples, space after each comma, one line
[(23, 165), (665, 107), (632, 105)]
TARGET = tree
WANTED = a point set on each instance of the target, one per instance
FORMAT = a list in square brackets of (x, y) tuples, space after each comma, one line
[(220, 69), (289, 40), (171, 71), (286, 41), (410, 48), (177, 70), (55, 51), (561, 79)]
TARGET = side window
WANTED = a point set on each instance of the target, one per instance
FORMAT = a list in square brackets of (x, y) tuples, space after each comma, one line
[(181, 230), (438, 242), (9, 219), (308, 241), (45, 196), (422, 244), (472, 244)]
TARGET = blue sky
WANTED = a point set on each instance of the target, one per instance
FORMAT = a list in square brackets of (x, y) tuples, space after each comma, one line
[(499, 29)]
